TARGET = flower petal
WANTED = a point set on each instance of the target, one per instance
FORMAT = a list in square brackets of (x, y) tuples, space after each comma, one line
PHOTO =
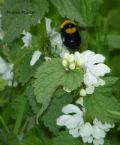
[(98, 141), (62, 119), (105, 126), (89, 79), (3, 66), (99, 69), (100, 83), (80, 101), (48, 26), (86, 130), (70, 108), (27, 39), (87, 139), (72, 122), (36, 55), (74, 132), (98, 58), (98, 132), (90, 89), (87, 56)]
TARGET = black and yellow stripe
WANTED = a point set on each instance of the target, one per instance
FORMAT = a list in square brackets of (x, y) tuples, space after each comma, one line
[(66, 22)]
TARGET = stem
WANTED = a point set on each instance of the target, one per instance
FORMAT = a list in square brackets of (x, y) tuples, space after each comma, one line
[(4, 124), (105, 42), (98, 36), (19, 116), (43, 35), (24, 125)]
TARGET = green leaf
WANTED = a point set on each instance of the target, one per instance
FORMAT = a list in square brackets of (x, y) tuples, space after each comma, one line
[(114, 18), (101, 102), (89, 10), (8, 139), (31, 140), (31, 99), (54, 111), (69, 9), (4, 124), (20, 115), (83, 11), (113, 41), (3, 84), (23, 70), (65, 138), (115, 65), (51, 75), (23, 15), (110, 81)]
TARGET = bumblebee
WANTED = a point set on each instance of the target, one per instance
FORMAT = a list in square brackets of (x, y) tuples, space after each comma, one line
[(70, 35)]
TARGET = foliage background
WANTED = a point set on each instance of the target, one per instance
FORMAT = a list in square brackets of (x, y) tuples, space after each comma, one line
[(18, 106)]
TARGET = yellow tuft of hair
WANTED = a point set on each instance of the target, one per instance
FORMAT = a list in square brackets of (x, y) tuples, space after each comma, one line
[(70, 30), (66, 22)]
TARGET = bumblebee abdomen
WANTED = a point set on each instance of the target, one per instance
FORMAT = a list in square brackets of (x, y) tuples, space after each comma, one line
[(73, 41)]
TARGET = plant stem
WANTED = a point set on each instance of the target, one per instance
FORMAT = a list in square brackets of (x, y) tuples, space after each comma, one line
[(19, 116), (4, 124)]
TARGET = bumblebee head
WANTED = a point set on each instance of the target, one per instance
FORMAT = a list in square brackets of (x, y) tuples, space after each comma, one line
[(66, 23), (68, 27)]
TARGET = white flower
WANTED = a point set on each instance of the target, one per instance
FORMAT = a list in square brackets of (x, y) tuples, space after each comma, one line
[(105, 126), (90, 89), (88, 139), (65, 63), (93, 67), (98, 141), (27, 39), (66, 89), (98, 132), (70, 58), (6, 72), (70, 108), (72, 122), (8, 75), (35, 57), (3, 66), (80, 101), (47, 58), (55, 39), (72, 66), (86, 130), (83, 92), (69, 61), (78, 59), (48, 26)]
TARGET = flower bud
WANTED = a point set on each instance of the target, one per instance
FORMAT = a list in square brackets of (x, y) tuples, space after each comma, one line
[(71, 58), (66, 90), (66, 55), (83, 92), (72, 66), (80, 62), (77, 55), (64, 63)]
